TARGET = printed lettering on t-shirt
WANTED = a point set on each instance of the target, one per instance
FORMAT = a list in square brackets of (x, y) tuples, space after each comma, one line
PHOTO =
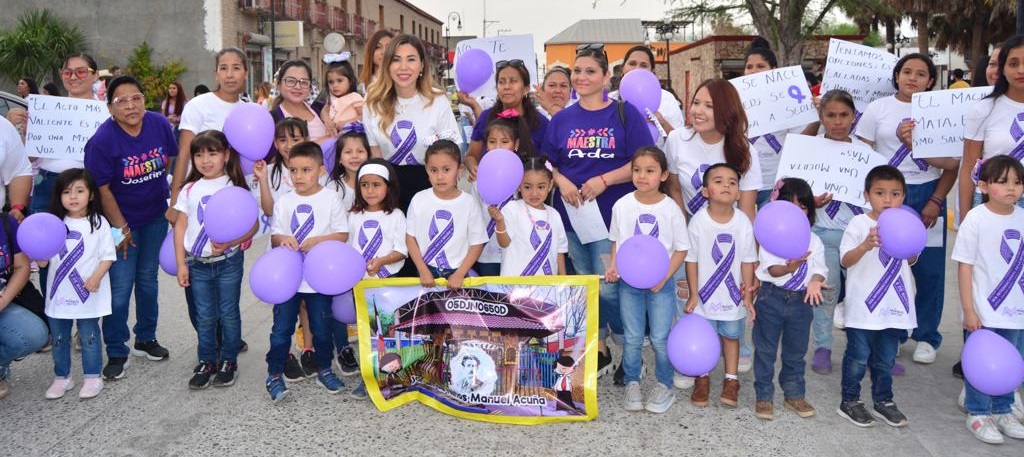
[(591, 143), (143, 167)]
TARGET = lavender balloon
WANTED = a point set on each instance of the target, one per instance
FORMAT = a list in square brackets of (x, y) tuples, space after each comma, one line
[(246, 165), (168, 261), (328, 149), (642, 89), (693, 346), (230, 214), (276, 276), (332, 267), (249, 129), (41, 236), (902, 233), (343, 308), (783, 229), (992, 364), (642, 261), (498, 176), (473, 68)]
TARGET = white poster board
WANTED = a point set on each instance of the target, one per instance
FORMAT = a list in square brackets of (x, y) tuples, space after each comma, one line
[(501, 47), (59, 127), (864, 72), (776, 100), (829, 166), (939, 117)]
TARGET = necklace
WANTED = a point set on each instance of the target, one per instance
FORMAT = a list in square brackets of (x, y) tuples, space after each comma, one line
[(403, 104)]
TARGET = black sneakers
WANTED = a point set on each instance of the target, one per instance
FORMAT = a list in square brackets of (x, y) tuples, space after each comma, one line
[(309, 366), (226, 375), (115, 368), (347, 363), (292, 370), (604, 362), (201, 375), (856, 412), (891, 415), (151, 350)]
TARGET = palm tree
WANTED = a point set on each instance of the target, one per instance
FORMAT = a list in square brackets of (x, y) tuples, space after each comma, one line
[(36, 46)]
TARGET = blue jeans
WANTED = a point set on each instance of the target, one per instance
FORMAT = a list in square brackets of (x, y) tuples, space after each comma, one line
[(587, 259), (216, 290), (980, 404), (42, 195), (875, 349), (92, 346), (138, 272), (641, 308), (782, 316), (339, 334), (823, 313), (21, 333), (929, 273), (318, 307), (487, 268)]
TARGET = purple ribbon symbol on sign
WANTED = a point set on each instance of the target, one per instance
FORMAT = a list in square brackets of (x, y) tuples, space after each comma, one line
[(492, 225), (1013, 275), (646, 219), (300, 232), (202, 238), (540, 250), (403, 148), (771, 140), (439, 238), (902, 153), (1018, 136), (697, 181), (797, 281), (891, 277), (370, 246), (67, 269), (833, 208), (722, 272)]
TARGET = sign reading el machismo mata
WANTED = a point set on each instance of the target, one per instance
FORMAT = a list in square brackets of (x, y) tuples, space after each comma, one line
[(517, 350)]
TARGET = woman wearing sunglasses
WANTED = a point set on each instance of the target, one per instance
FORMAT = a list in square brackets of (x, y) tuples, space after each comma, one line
[(669, 114)]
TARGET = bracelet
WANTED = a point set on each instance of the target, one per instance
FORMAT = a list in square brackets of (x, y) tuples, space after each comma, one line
[(18, 207), (936, 200), (499, 231), (602, 179)]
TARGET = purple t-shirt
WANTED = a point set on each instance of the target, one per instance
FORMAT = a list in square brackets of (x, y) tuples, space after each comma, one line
[(582, 144), (537, 134), (134, 167)]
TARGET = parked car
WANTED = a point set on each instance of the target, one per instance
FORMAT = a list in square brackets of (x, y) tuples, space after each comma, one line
[(9, 100)]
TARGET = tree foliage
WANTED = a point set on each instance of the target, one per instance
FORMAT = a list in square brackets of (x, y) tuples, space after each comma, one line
[(154, 79), (35, 47)]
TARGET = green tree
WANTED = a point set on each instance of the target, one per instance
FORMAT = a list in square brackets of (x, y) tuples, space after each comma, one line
[(154, 79), (36, 46)]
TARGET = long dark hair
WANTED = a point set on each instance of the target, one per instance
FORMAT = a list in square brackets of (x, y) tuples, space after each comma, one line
[(997, 168), (933, 73), (730, 121), (33, 88), (1002, 84), (280, 74), (339, 171), (284, 127), (214, 140), (640, 48), (529, 117), (390, 201), (93, 210), (798, 189), (178, 102), (761, 47), (371, 47), (658, 155)]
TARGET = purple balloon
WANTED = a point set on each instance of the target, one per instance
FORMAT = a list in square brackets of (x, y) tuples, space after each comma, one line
[(343, 308), (641, 88), (41, 236), (499, 175), (472, 69), (276, 276), (783, 229), (332, 267), (693, 346), (992, 364), (642, 261), (246, 165), (168, 261), (249, 129), (902, 233), (329, 152), (230, 214)]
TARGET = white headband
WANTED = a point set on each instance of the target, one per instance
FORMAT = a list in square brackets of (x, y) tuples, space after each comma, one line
[(374, 169)]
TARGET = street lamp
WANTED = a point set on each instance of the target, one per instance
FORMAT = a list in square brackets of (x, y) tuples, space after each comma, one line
[(899, 40), (447, 41), (666, 31)]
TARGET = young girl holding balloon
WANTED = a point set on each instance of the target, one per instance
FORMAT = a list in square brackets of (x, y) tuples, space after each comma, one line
[(211, 270), (789, 290), (647, 211), (530, 232), (79, 283), (988, 295), (501, 134)]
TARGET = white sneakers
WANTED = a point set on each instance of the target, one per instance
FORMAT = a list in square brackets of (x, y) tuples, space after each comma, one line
[(681, 381), (59, 386), (634, 399), (984, 429), (745, 364), (91, 387), (839, 316), (1009, 426), (924, 353), (659, 399)]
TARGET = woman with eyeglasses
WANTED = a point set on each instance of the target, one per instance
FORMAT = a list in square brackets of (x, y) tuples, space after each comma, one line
[(294, 84), (669, 114), (553, 94), (590, 145), (127, 156)]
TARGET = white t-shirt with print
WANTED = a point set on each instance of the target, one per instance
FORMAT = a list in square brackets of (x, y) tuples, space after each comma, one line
[(871, 303), (769, 153), (669, 109), (348, 194), (992, 244), (205, 112), (994, 122), (879, 123), (445, 229), (413, 117), (722, 299), (689, 156), (383, 233), (663, 220), (521, 221), (815, 265), (192, 200), (65, 293), (292, 213)]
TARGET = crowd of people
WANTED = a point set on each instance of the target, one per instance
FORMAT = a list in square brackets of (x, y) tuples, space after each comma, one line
[(397, 187)]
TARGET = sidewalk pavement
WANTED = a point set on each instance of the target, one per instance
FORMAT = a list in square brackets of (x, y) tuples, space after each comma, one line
[(152, 412)]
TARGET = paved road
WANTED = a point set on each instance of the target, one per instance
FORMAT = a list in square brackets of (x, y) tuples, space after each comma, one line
[(152, 412)]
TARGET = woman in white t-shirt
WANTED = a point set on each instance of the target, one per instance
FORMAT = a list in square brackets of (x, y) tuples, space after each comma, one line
[(887, 126), (669, 113)]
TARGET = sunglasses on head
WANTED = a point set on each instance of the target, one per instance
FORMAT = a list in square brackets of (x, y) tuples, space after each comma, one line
[(509, 63), (596, 47)]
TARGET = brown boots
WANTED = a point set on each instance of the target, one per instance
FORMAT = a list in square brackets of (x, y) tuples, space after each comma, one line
[(702, 390)]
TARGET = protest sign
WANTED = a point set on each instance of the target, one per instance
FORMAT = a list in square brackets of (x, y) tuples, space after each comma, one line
[(508, 349), (939, 117), (776, 100), (501, 47), (59, 127), (829, 166), (864, 72)]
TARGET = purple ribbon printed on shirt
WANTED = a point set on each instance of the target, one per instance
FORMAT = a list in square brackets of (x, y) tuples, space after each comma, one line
[(1013, 275), (370, 245), (772, 141), (902, 153), (833, 208), (492, 225), (797, 281), (438, 239), (723, 271), (202, 238), (300, 232), (1018, 134), (891, 277), (541, 249), (403, 148), (67, 269), (697, 181), (646, 219)]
